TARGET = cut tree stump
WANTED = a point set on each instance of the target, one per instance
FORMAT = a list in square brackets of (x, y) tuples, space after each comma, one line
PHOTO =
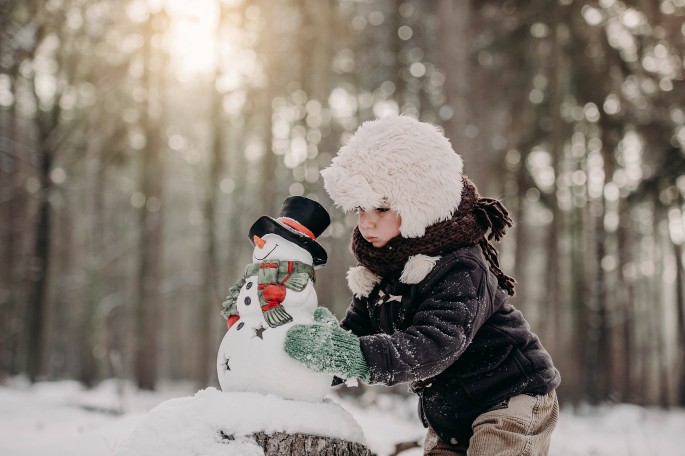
[(282, 444)]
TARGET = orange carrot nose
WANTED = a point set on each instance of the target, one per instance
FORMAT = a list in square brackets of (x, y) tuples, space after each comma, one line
[(259, 242)]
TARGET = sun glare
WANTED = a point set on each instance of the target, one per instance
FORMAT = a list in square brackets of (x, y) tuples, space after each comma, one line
[(191, 36)]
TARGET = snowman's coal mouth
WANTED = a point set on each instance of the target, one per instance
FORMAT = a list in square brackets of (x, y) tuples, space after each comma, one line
[(260, 259)]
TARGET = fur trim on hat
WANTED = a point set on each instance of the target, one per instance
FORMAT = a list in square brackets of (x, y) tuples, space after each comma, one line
[(400, 163), (361, 281), (417, 268)]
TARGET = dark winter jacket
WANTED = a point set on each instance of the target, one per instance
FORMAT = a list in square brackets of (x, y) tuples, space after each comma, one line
[(455, 337)]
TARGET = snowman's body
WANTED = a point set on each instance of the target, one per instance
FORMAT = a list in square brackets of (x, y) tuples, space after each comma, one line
[(251, 356)]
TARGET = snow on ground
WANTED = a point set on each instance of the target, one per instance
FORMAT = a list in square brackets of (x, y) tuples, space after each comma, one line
[(64, 419)]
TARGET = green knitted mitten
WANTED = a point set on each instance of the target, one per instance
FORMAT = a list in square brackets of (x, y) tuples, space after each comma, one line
[(323, 347), (324, 316)]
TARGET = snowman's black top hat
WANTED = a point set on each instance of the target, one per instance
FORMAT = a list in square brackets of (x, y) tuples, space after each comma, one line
[(302, 220)]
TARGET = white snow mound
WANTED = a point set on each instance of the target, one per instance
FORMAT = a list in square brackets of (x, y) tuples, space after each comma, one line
[(192, 425)]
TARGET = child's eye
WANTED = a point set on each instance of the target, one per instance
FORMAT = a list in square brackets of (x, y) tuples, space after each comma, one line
[(382, 210)]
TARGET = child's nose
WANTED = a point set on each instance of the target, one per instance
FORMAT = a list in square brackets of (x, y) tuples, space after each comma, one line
[(259, 242), (366, 220)]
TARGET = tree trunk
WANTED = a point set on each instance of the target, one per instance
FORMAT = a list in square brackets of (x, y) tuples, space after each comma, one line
[(662, 367), (453, 51), (680, 312), (282, 444), (267, 179), (396, 45), (94, 290), (626, 298), (598, 339), (554, 293), (12, 227), (39, 275), (45, 123), (316, 48), (522, 244), (150, 223), (211, 298)]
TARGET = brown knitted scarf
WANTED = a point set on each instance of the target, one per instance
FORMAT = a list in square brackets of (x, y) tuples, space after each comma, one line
[(468, 226)]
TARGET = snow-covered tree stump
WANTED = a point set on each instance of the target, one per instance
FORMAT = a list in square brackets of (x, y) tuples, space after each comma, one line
[(283, 444)]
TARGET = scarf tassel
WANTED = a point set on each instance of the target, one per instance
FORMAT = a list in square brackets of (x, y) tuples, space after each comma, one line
[(495, 216), (492, 257)]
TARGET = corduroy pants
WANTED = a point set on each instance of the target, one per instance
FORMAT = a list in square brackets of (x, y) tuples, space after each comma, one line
[(523, 426)]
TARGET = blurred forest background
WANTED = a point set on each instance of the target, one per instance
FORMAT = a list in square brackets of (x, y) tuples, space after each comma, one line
[(139, 140)]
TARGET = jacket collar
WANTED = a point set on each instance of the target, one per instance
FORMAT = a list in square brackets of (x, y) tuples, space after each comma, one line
[(361, 281)]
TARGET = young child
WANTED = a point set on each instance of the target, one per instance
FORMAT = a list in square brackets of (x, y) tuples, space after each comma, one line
[(430, 301)]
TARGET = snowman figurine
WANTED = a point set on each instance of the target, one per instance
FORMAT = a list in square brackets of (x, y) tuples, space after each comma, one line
[(275, 292)]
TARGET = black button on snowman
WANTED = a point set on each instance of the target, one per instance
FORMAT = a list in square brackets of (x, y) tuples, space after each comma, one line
[(275, 292)]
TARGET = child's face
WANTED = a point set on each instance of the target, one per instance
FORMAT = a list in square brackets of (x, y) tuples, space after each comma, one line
[(378, 226)]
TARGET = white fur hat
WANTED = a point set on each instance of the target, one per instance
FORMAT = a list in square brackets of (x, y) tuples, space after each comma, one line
[(400, 163)]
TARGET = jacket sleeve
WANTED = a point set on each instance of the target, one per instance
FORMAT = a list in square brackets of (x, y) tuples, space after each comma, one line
[(357, 319), (455, 304)]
